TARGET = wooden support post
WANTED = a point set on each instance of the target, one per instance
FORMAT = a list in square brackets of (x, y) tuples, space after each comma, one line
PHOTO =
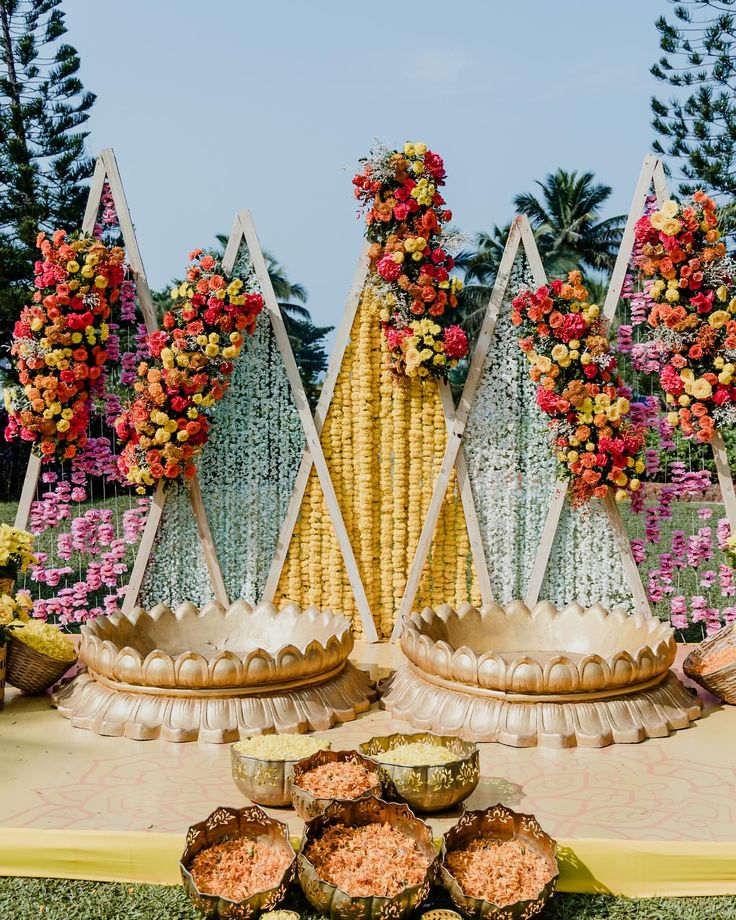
[(207, 544), (455, 431), (466, 495), (144, 549), (30, 482), (325, 398)]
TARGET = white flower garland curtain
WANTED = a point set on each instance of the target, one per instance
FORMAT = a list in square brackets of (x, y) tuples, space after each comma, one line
[(246, 476), (513, 473)]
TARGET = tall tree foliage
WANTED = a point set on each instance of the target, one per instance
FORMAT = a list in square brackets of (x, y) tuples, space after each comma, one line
[(43, 165), (696, 125)]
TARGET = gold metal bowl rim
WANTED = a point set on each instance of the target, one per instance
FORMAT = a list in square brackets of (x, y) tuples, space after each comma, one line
[(279, 826), (470, 817), (333, 810), (410, 737), (305, 765)]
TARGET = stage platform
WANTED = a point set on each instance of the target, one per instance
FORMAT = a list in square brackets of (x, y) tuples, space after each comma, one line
[(657, 818)]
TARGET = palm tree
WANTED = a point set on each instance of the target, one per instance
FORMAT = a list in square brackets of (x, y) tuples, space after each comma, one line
[(565, 220), (480, 267), (569, 233)]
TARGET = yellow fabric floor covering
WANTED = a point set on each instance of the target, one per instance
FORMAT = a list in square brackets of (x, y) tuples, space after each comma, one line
[(636, 868)]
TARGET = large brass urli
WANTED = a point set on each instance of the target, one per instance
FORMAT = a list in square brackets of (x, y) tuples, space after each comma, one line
[(215, 674), (544, 676)]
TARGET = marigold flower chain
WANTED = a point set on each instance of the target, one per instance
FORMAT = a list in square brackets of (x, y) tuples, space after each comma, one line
[(692, 301), (567, 344), (404, 213), (191, 359), (60, 345)]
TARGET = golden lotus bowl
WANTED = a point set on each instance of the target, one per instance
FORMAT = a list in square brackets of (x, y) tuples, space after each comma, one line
[(215, 674), (337, 904), (601, 676), (308, 805), (193, 649), (498, 823), (427, 788), (226, 824), (543, 651)]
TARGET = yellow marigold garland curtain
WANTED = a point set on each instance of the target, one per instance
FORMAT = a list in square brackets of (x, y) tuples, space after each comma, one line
[(383, 440)]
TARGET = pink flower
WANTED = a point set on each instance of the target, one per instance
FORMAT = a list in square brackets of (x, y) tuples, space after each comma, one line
[(456, 342), (388, 268)]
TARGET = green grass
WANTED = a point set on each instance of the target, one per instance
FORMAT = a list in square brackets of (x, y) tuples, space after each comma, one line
[(44, 899)]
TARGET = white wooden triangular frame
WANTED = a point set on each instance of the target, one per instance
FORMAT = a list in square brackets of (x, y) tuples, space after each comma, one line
[(325, 399), (521, 235), (106, 169)]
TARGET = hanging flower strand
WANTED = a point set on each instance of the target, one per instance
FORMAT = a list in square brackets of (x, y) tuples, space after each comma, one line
[(404, 213), (191, 359), (574, 368)]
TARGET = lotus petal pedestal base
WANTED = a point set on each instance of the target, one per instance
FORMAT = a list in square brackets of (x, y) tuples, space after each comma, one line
[(651, 712), (144, 716)]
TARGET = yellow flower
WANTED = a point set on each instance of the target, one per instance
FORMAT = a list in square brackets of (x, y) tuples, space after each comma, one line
[(656, 219), (670, 208), (672, 295), (718, 318), (702, 389), (544, 364), (559, 352), (722, 293), (72, 266), (671, 227)]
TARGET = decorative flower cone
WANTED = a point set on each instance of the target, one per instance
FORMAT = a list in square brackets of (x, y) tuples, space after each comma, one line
[(384, 433)]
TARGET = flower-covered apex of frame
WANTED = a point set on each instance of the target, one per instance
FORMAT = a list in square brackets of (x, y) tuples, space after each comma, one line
[(405, 215)]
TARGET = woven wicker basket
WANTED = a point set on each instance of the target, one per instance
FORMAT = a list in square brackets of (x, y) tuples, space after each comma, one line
[(32, 671), (722, 682), (3, 652)]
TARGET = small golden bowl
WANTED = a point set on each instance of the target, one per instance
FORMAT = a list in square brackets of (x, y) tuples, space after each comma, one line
[(498, 823), (267, 782), (308, 805), (225, 824), (427, 788), (337, 904)]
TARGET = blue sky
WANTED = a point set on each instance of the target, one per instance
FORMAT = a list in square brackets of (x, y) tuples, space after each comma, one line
[(213, 107)]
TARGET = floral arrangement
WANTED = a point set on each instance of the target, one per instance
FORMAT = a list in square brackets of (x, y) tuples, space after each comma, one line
[(191, 359), (16, 549), (574, 368), (14, 610), (692, 301), (404, 213), (60, 342), (46, 639)]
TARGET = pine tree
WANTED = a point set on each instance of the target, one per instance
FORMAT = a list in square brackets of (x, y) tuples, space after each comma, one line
[(43, 165), (697, 126)]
